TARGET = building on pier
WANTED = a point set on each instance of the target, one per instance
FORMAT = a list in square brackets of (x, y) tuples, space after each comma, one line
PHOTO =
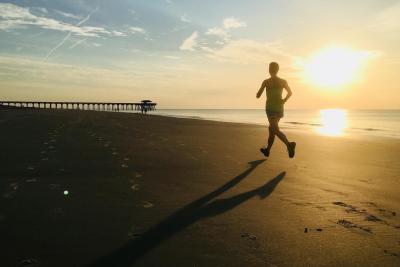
[(145, 105)]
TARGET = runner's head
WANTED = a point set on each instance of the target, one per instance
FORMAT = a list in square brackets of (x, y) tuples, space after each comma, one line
[(273, 68)]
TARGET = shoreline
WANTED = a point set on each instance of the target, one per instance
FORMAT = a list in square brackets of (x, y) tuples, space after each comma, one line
[(347, 135), (352, 133), (309, 128)]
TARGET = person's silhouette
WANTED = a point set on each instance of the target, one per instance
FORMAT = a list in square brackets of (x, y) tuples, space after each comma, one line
[(274, 108)]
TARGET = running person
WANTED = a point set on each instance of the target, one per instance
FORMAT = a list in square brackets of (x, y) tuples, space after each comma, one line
[(274, 108)]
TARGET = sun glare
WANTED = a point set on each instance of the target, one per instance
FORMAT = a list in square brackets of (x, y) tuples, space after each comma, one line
[(335, 66), (333, 122)]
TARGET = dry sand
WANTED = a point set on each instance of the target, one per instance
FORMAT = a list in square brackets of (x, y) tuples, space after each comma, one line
[(110, 189)]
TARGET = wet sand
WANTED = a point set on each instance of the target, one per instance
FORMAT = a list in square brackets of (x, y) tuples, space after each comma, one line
[(113, 189)]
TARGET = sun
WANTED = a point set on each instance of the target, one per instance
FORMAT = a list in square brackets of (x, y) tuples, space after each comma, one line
[(335, 67)]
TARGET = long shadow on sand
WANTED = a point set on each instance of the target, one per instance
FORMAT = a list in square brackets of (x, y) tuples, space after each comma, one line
[(199, 209)]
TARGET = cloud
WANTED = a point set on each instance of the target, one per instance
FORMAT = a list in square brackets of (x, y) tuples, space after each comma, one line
[(137, 30), (44, 80), (118, 34), (227, 25), (387, 19), (171, 57), (41, 70), (68, 15), (10, 11), (232, 23), (244, 51), (218, 32), (13, 16), (96, 44), (40, 9), (39, 79), (190, 43), (184, 18)]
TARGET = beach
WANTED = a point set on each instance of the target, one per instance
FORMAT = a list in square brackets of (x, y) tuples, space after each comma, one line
[(86, 188)]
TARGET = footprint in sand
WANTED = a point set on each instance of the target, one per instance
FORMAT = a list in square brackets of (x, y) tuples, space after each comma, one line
[(138, 175), (14, 186), (350, 225), (115, 153), (382, 211), (147, 204), (306, 229), (349, 208), (367, 216), (334, 192), (135, 187), (249, 236), (391, 253), (30, 168), (33, 180), (43, 152), (126, 159), (372, 218), (29, 263), (45, 159), (124, 165), (134, 232)]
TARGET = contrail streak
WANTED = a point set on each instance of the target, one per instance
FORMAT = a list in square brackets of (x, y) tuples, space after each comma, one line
[(77, 43), (57, 46), (87, 18), (69, 35)]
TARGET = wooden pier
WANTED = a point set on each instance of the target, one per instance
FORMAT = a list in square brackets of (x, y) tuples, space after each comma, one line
[(145, 105)]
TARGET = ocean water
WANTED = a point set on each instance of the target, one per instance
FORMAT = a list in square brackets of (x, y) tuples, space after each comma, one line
[(329, 122)]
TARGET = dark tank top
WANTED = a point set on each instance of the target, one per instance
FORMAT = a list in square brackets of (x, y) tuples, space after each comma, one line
[(274, 90)]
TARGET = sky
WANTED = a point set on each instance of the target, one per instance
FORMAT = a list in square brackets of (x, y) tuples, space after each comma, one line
[(199, 53)]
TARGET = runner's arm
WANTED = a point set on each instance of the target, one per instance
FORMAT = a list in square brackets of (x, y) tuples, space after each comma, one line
[(288, 90), (261, 90)]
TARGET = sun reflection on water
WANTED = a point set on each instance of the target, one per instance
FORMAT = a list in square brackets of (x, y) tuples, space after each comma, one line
[(333, 122)]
